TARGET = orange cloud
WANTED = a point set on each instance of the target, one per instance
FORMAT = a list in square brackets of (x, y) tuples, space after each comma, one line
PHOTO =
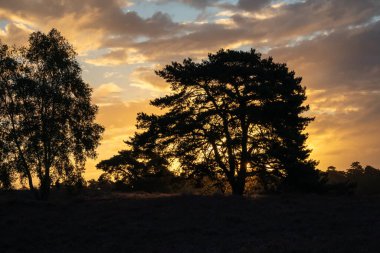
[(15, 34), (118, 57), (145, 78)]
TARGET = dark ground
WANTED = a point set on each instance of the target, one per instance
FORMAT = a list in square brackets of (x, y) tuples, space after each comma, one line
[(163, 223)]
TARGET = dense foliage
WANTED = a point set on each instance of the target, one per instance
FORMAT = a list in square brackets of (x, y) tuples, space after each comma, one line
[(47, 119), (138, 170), (232, 117)]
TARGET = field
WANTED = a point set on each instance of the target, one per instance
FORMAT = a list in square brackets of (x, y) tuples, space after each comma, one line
[(184, 223)]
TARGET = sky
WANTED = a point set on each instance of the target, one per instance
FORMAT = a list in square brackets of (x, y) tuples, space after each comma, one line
[(332, 44)]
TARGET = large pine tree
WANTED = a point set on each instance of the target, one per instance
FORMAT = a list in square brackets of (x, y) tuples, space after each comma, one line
[(233, 116)]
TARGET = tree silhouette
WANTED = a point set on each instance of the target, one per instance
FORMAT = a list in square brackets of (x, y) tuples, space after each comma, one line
[(47, 118), (370, 182), (140, 168), (356, 179), (335, 176), (355, 171), (233, 116)]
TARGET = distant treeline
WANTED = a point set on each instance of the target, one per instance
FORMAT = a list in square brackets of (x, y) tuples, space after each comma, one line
[(356, 179)]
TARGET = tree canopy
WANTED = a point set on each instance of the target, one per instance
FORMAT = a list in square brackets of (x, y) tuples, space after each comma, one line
[(47, 119), (230, 117)]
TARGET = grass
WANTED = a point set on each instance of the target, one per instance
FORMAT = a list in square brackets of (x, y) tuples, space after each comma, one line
[(184, 223)]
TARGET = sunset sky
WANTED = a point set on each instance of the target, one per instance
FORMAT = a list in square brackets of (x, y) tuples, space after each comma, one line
[(333, 44)]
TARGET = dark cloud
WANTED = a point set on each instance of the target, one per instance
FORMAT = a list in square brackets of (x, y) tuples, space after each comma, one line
[(24, 8), (345, 59), (208, 38), (291, 22), (129, 24), (111, 26), (106, 16), (199, 4), (252, 5), (278, 27)]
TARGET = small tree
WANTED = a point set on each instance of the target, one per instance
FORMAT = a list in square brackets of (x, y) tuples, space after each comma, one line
[(233, 116), (139, 168), (46, 114), (355, 172), (334, 176)]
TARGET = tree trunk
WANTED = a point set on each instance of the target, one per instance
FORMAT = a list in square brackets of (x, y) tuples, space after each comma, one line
[(238, 187), (45, 188), (31, 186)]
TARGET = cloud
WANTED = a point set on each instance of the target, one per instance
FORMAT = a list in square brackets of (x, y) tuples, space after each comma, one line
[(119, 31), (111, 74), (107, 94), (87, 24), (300, 22), (339, 139), (252, 5), (208, 38), (107, 89), (342, 72), (199, 4), (118, 57), (14, 33), (146, 78), (345, 59)]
